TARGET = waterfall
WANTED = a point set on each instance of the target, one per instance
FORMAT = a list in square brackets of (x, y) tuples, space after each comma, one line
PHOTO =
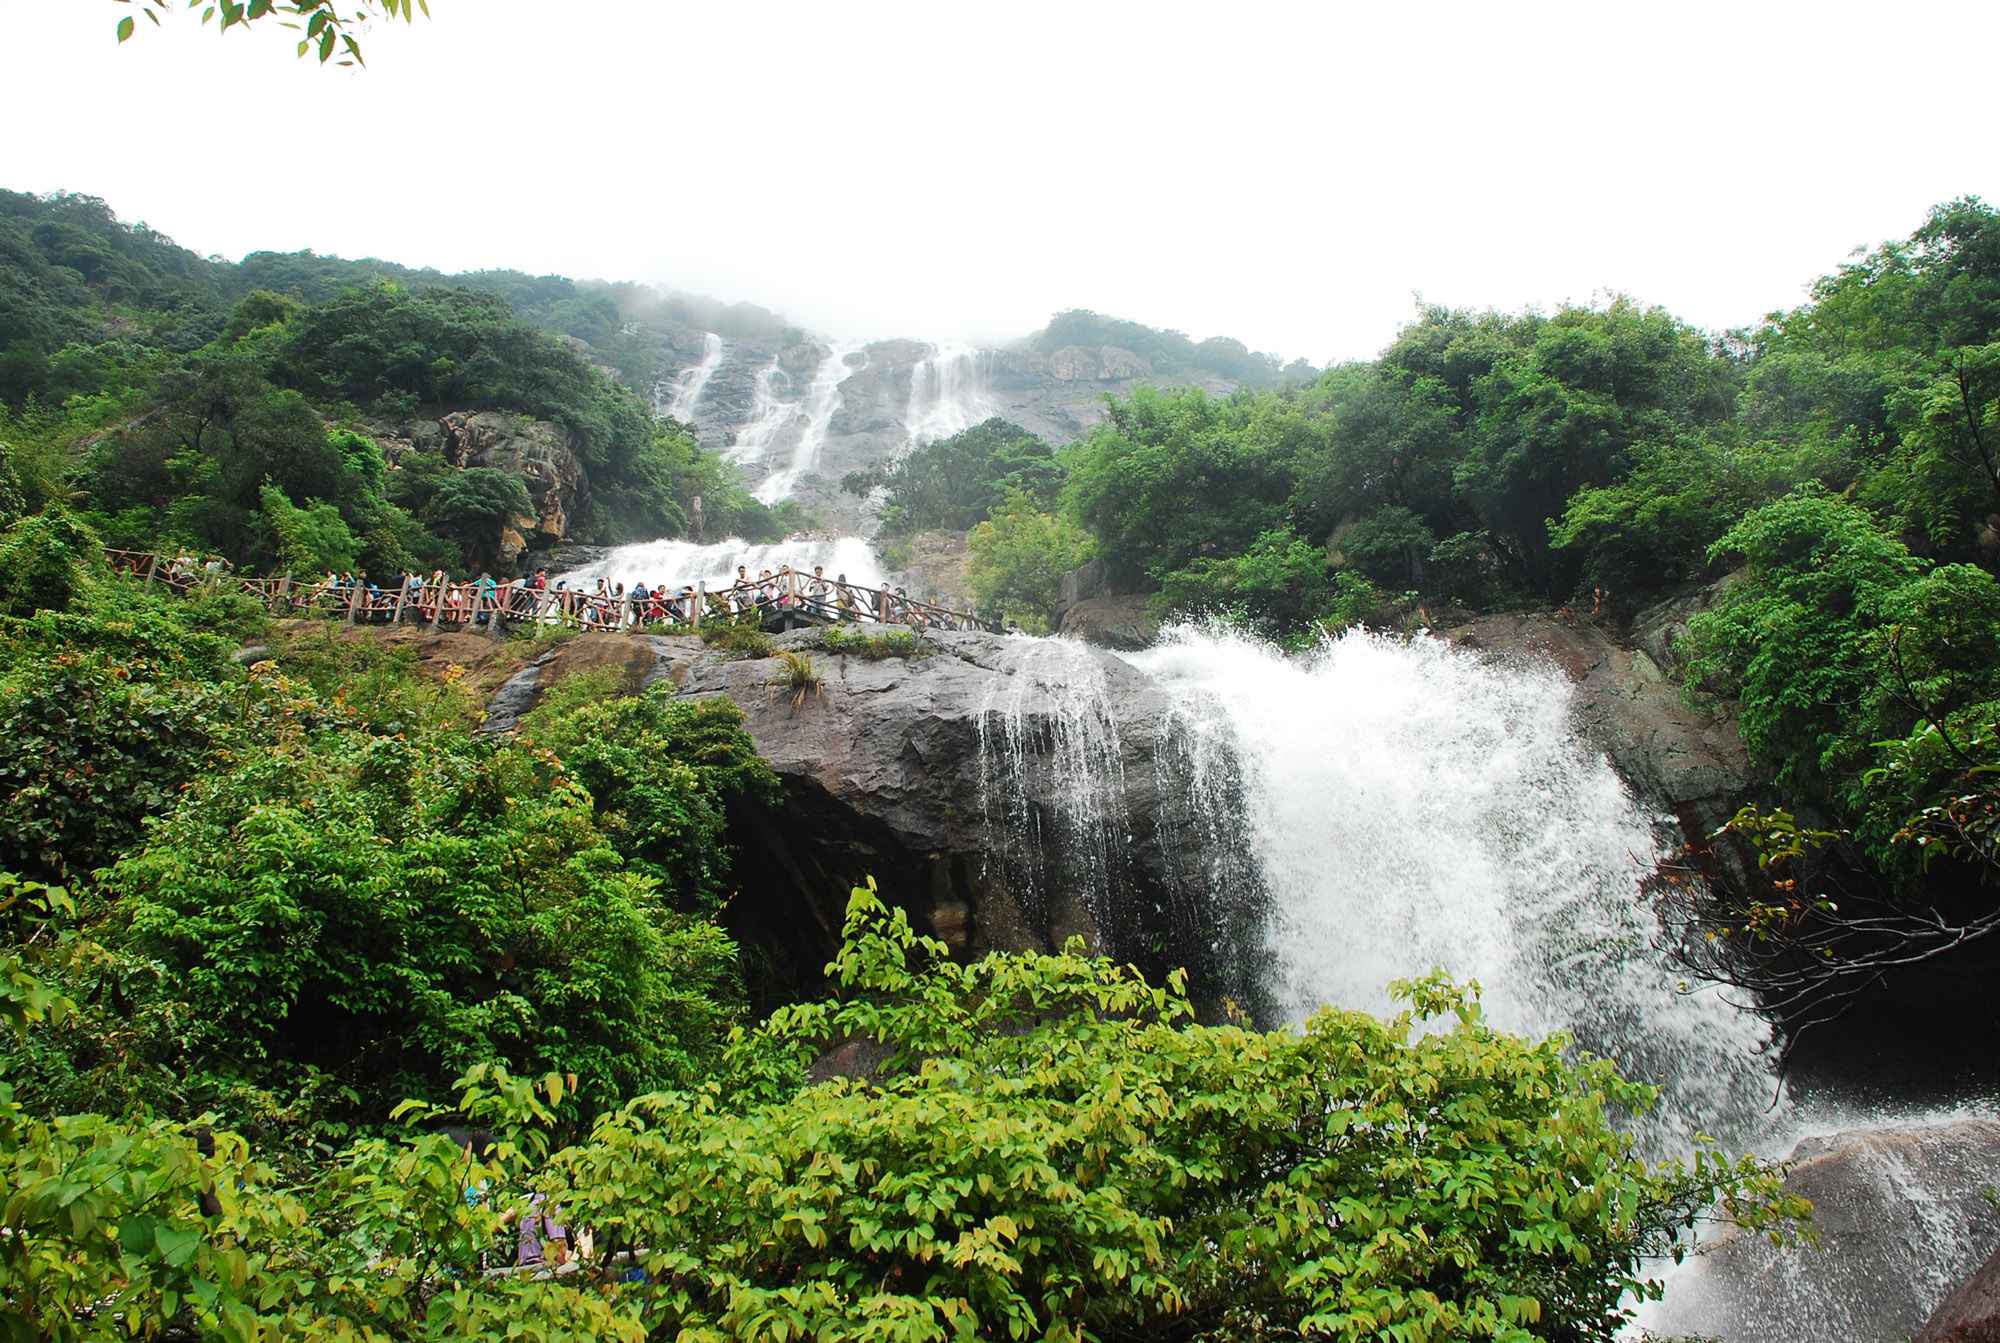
[(1052, 776), (812, 417), (691, 382), (1108, 813), (1413, 806), (679, 563), (770, 413), (949, 392)]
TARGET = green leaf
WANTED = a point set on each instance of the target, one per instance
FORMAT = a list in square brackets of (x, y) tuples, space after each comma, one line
[(176, 1247), (124, 27), (135, 1234)]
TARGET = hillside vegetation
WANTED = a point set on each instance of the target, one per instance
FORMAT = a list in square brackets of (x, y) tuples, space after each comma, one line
[(1841, 460), (316, 997), (174, 400)]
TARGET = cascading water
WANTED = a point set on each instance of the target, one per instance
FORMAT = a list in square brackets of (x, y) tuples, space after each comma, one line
[(769, 414), (813, 415), (949, 392), (680, 563), (1047, 735), (690, 383), (1107, 813), (1412, 807)]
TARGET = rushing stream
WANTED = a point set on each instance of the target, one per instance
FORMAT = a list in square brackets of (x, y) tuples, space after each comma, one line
[(1382, 806), (1415, 807)]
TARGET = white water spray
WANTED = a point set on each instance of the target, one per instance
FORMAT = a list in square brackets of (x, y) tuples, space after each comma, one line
[(769, 414), (1047, 733), (812, 416), (676, 564), (1414, 806), (949, 392), (690, 383)]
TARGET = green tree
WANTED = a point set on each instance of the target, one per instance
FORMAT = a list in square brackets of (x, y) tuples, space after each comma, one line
[(1018, 558), (1792, 639), (664, 773), (309, 540), (390, 910), (473, 506), (955, 482), (46, 563)]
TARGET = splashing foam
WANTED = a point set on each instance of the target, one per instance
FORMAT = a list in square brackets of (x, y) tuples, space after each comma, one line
[(675, 563), (1417, 807)]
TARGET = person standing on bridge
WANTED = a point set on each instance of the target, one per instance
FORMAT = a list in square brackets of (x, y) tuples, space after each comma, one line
[(816, 591)]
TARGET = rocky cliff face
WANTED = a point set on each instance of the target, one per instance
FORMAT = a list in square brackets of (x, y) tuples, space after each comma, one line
[(1010, 793), (768, 408), (536, 451)]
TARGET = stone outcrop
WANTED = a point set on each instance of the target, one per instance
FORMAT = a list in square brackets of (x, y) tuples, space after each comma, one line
[(1683, 758), (1902, 1216), (1971, 1314), (1091, 606), (971, 783), (536, 451)]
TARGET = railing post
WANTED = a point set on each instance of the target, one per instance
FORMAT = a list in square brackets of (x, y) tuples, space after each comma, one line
[(624, 612), (439, 591), (496, 619), (402, 598), (355, 599), (152, 564), (283, 599), (700, 600)]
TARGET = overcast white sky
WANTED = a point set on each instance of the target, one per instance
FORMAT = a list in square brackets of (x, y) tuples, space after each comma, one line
[(1289, 174)]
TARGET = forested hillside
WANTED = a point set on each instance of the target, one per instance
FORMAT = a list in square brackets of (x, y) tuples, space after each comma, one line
[(316, 995), (1838, 465), (260, 410)]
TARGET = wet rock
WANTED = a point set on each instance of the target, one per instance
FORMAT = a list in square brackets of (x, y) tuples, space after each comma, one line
[(1009, 792), (1902, 1215), (1683, 758), (1123, 622), (514, 697), (1971, 1314)]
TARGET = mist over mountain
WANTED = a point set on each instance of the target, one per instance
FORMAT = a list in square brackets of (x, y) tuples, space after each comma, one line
[(792, 410)]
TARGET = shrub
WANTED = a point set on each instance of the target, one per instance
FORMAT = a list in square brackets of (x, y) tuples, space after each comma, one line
[(798, 673), (849, 641), (741, 638), (47, 563)]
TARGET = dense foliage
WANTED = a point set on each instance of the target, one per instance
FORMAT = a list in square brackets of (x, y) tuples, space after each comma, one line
[(306, 890), (1046, 1146), (242, 409), (955, 482)]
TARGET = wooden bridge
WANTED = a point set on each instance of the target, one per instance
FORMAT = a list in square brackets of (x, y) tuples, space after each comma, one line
[(781, 601)]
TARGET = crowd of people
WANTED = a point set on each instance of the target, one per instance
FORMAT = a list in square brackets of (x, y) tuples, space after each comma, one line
[(607, 605), (601, 604)]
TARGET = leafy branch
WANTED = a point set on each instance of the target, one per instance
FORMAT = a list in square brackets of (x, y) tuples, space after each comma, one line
[(322, 25)]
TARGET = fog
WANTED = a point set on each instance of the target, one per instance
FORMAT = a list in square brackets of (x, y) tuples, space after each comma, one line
[(1290, 175)]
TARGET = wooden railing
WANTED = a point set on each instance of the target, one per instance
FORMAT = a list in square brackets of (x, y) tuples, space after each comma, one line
[(784, 600)]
